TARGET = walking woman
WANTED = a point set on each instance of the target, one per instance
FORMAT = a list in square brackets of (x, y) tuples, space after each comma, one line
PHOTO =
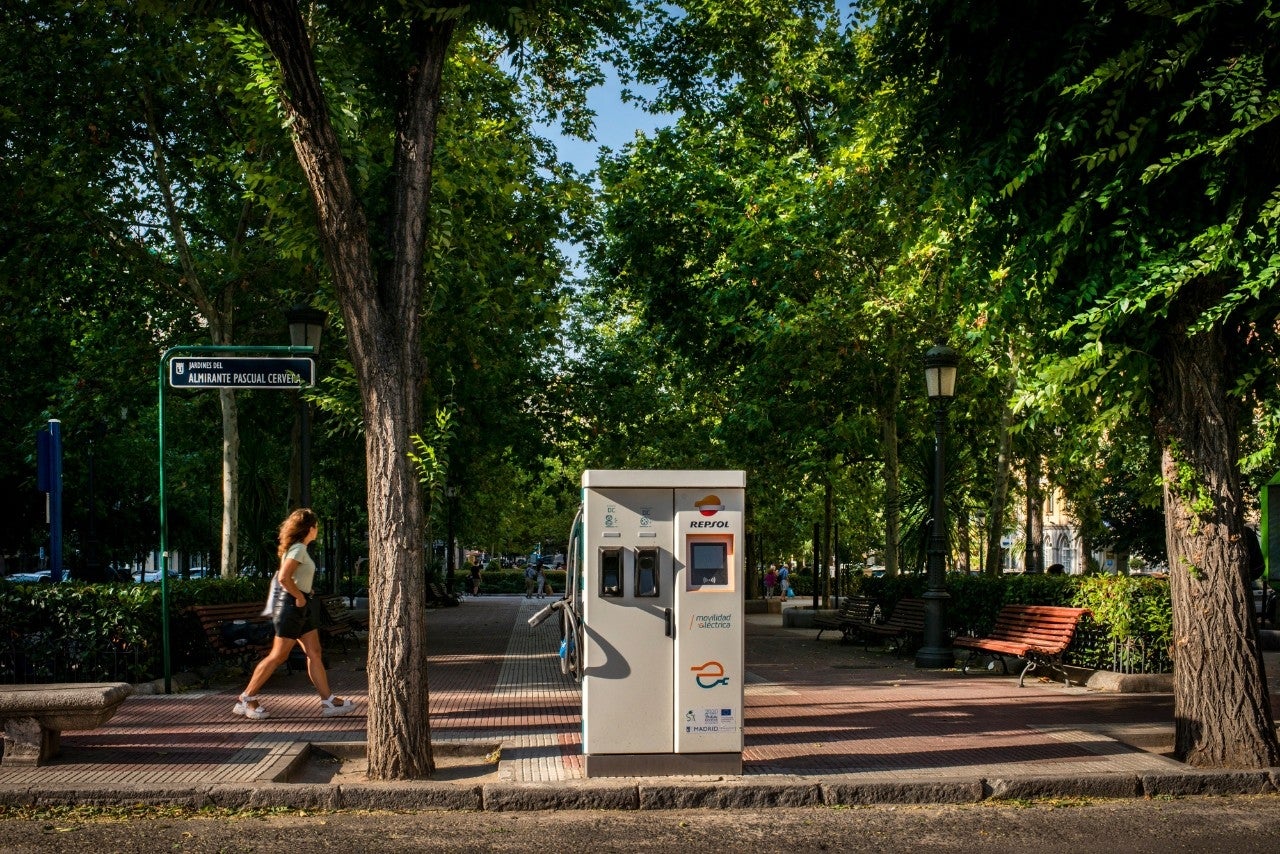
[(296, 618)]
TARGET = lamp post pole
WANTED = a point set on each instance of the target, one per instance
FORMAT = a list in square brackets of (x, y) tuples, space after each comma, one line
[(305, 325), (940, 375)]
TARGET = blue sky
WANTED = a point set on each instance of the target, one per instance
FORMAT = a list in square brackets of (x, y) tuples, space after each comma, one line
[(616, 125)]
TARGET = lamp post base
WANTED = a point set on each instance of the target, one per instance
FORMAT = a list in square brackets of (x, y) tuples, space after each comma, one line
[(935, 657)]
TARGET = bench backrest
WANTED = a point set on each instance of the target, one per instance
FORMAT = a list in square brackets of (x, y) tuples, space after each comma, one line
[(213, 617), (1043, 627), (907, 614), (229, 611), (857, 608)]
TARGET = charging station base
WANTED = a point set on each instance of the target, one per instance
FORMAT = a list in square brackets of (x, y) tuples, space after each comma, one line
[(662, 764)]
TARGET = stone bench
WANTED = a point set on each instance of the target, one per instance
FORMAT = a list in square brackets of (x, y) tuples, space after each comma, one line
[(34, 716)]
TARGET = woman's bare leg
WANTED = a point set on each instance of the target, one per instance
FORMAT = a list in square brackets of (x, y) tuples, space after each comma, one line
[(279, 653)]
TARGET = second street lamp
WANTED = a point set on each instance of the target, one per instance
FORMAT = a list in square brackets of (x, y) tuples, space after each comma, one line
[(940, 380)]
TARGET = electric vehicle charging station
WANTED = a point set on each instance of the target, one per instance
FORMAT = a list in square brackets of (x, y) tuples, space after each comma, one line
[(663, 613)]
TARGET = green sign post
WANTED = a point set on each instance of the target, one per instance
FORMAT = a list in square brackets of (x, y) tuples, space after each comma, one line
[(213, 366)]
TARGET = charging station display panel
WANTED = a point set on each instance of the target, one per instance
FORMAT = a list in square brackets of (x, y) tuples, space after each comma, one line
[(708, 564), (627, 688)]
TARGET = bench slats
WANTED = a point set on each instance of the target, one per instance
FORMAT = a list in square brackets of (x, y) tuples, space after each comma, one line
[(906, 621), (853, 613), (212, 618), (1034, 632)]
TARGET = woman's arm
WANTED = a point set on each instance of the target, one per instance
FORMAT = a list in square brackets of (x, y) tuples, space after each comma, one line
[(288, 566)]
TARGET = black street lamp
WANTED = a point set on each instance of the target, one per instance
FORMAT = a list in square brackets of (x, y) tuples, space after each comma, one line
[(305, 325), (940, 379)]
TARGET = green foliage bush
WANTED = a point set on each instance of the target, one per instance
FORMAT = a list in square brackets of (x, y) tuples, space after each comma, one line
[(1133, 616), (106, 632)]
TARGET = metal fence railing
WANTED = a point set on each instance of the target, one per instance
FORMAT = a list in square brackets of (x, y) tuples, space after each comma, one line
[(1094, 649), (33, 660)]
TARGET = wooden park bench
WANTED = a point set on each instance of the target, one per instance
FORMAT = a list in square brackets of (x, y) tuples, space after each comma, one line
[(904, 625), (438, 597), (237, 631), (34, 716), (855, 611), (1039, 634), (337, 620)]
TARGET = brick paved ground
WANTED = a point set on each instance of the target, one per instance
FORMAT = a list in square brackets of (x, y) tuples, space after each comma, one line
[(814, 708)]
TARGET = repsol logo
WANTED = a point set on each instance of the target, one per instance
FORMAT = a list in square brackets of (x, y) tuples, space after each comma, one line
[(709, 523)]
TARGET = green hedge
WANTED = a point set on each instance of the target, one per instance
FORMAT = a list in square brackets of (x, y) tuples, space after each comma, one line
[(105, 632)]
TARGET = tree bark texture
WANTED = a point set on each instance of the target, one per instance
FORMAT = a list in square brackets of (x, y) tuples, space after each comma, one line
[(382, 310), (1222, 710)]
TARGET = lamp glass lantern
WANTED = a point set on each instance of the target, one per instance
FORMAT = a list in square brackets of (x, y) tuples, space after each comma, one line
[(940, 365), (305, 325)]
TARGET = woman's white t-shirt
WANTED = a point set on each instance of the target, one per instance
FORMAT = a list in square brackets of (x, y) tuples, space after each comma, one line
[(305, 574)]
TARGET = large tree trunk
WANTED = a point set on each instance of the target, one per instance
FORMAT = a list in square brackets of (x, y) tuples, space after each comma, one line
[(382, 310), (1222, 710)]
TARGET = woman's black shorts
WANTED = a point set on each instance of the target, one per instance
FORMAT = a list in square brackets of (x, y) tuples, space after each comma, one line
[(294, 622)]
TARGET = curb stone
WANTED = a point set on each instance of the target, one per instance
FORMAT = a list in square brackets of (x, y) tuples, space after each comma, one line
[(1089, 786), (426, 796), (729, 796), (122, 796), (543, 796), (313, 796), (934, 792), (1208, 783)]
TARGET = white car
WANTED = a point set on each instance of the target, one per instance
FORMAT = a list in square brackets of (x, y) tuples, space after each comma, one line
[(43, 576), (148, 575)]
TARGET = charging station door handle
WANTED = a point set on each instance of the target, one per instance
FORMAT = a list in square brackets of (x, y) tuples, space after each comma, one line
[(671, 623)]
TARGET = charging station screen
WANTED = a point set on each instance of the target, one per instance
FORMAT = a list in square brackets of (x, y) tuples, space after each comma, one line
[(708, 564)]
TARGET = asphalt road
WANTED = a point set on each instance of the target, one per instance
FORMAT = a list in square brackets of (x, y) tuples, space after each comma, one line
[(1219, 825)]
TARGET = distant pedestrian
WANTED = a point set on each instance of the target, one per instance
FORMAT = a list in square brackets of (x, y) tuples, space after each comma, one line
[(542, 581), (474, 577), (784, 581), (296, 619), (770, 581), (531, 577)]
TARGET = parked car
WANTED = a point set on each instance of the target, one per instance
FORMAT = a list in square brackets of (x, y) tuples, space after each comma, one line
[(149, 575), (43, 576)]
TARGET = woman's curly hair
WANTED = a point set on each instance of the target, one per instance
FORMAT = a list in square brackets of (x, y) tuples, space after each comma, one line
[(294, 528)]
